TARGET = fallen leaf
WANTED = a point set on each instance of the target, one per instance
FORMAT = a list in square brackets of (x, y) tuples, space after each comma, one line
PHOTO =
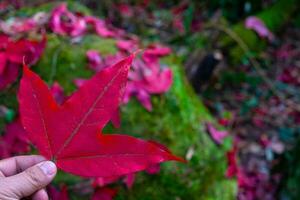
[(259, 27), (104, 193), (216, 135)]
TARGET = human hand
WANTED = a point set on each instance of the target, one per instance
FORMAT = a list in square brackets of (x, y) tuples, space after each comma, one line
[(24, 176)]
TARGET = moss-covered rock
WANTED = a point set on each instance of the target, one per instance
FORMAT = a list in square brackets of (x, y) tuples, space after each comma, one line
[(176, 121)]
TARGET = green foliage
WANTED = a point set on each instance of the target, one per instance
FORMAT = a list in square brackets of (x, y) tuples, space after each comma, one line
[(290, 166), (274, 17), (233, 10)]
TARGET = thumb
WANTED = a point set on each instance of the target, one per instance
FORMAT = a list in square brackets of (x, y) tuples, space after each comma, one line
[(32, 179)]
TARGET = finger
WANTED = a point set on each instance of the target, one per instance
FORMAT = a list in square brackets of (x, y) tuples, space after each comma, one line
[(15, 165), (1, 174), (40, 195), (31, 180)]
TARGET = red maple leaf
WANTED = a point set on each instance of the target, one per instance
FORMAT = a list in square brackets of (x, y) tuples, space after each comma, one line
[(70, 134)]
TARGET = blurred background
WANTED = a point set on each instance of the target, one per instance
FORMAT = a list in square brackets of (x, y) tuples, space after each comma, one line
[(223, 93)]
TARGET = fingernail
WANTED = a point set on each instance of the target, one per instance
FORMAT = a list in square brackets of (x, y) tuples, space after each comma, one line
[(48, 167)]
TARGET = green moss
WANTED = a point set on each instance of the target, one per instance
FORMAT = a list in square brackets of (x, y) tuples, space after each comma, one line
[(63, 60), (47, 7)]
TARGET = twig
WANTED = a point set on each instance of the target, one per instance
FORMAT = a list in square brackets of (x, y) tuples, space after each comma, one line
[(54, 65)]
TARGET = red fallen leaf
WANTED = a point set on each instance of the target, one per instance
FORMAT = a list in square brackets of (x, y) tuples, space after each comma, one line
[(128, 179), (70, 134), (55, 194), (14, 141), (286, 51), (104, 193), (25, 49), (153, 169), (216, 135), (104, 181), (2, 62), (125, 9), (224, 122), (232, 169), (12, 54), (9, 75)]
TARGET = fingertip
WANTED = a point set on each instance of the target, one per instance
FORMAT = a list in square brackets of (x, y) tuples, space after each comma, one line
[(49, 168), (40, 195)]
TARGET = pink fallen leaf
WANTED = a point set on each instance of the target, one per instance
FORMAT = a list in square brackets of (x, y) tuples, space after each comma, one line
[(134, 89), (154, 51), (79, 82), (259, 27), (99, 26), (95, 61), (58, 93), (158, 83), (127, 45), (216, 135), (64, 22)]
